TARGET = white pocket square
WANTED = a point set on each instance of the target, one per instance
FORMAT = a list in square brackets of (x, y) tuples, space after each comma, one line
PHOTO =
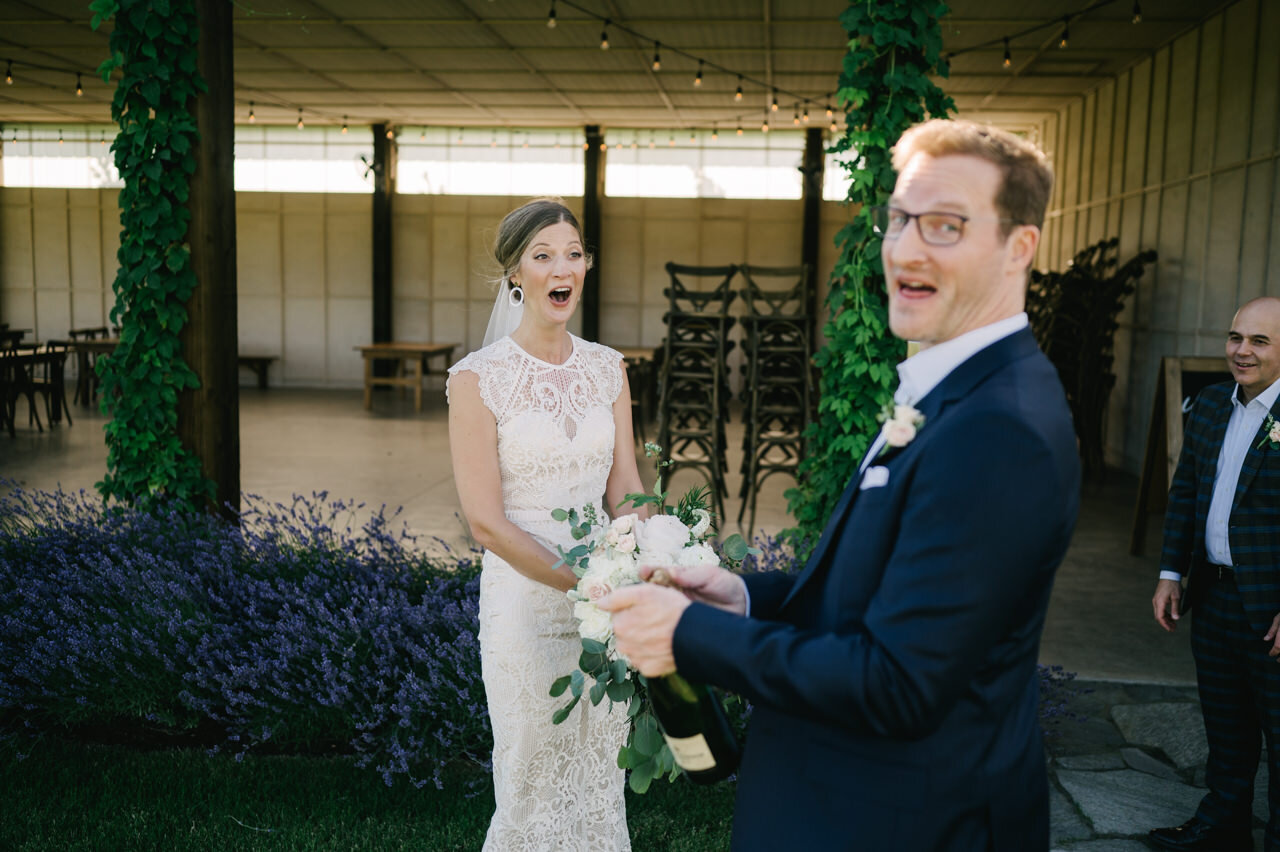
[(875, 477)]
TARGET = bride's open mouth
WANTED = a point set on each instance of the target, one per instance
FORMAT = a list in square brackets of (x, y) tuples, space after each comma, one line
[(561, 295)]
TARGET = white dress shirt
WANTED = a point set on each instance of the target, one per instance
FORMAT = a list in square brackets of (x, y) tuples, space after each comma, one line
[(1242, 428), (925, 370)]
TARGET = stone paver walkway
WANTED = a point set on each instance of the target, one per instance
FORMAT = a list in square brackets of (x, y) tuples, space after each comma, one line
[(1133, 761)]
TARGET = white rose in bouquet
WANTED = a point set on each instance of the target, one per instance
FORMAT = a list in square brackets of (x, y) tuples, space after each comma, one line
[(660, 539), (624, 524), (696, 555), (593, 622)]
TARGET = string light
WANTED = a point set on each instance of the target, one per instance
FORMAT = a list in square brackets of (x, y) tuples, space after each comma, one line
[(422, 137), (252, 119), (657, 59), (715, 134), (102, 140), (693, 136), (604, 147), (651, 142), (739, 127), (671, 141), (391, 134), (774, 106), (618, 146), (79, 88), (738, 95), (1137, 12), (551, 16), (635, 140), (829, 111), (8, 78), (585, 146), (604, 35), (764, 125), (59, 135), (344, 124), (1066, 32), (1008, 58), (806, 113), (697, 81), (300, 125), (833, 126), (795, 115)]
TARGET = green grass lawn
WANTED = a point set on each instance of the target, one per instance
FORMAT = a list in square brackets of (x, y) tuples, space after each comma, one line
[(69, 796)]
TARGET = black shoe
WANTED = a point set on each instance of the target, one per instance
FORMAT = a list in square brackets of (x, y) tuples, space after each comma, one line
[(1196, 835)]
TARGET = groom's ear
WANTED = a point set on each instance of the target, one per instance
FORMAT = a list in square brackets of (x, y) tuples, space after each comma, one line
[(1021, 245)]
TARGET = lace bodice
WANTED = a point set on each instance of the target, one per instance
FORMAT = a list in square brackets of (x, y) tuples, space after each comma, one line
[(555, 421)]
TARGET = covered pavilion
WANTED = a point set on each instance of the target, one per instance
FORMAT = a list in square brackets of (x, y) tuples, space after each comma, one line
[(1164, 133)]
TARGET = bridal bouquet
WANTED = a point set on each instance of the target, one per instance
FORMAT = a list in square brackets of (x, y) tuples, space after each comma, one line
[(608, 556)]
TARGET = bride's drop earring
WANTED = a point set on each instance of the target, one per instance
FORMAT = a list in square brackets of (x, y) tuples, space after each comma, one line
[(516, 296)]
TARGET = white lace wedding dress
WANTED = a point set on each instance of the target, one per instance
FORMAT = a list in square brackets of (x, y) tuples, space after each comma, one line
[(558, 787)]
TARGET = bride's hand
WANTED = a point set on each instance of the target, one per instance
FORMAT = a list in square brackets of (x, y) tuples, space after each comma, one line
[(706, 584)]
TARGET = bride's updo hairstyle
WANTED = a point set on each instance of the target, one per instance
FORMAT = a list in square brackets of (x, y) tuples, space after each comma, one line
[(521, 225)]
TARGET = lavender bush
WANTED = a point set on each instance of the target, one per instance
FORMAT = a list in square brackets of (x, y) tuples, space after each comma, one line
[(295, 631)]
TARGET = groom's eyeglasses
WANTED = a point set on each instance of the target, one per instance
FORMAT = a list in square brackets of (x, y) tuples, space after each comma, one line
[(936, 229)]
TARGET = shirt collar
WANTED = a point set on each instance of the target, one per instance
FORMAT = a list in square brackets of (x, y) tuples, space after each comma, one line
[(922, 372), (1267, 398)]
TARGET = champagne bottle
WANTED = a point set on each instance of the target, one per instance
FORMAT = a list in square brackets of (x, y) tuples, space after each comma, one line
[(695, 728)]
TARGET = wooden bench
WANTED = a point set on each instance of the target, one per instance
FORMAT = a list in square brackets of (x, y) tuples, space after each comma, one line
[(259, 365), (416, 355)]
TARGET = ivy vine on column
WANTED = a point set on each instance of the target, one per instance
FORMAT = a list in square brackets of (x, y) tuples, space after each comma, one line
[(153, 44), (894, 45)]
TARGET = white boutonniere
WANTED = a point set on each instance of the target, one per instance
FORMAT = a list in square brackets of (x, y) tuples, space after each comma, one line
[(1273, 433), (901, 423)]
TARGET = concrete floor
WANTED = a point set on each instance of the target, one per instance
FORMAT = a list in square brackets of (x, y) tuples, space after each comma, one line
[(303, 441)]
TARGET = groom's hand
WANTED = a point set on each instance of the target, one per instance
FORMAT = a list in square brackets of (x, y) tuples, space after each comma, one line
[(644, 622), (708, 584)]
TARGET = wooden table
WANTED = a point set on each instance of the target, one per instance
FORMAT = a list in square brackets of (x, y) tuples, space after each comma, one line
[(87, 350), (415, 354)]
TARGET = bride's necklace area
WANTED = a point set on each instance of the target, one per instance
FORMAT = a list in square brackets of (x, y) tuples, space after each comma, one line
[(556, 352)]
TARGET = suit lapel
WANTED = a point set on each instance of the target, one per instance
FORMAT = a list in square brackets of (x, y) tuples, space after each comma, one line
[(958, 383), (1253, 459)]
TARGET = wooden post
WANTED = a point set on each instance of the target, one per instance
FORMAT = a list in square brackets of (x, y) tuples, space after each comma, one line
[(384, 189), (812, 171), (209, 416), (592, 194)]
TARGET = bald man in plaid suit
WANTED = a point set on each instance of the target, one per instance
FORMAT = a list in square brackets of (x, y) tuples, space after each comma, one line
[(1222, 532)]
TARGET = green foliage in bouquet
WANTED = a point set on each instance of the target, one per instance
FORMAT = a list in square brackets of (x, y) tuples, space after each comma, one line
[(645, 752)]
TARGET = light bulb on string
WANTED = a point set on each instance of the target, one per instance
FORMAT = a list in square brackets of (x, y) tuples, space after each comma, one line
[(551, 16), (693, 136), (651, 142), (715, 134), (252, 117), (697, 80), (1008, 57), (671, 141), (604, 35), (59, 135), (834, 128), (737, 96), (1066, 32), (795, 115), (764, 125), (618, 145), (422, 137), (300, 124), (739, 126), (774, 105), (79, 88), (102, 140), (344, 124), (8, 78), (604, 147), (805, 117), (829, 111), (585, 145), (1137, 12), (657, 58), (635, 140), (391, 133)]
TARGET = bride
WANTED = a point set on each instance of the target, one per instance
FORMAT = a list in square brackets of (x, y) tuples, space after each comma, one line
[(540, 419)]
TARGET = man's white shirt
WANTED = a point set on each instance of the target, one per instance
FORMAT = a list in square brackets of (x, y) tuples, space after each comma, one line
[(1244, 424), (925, 370)]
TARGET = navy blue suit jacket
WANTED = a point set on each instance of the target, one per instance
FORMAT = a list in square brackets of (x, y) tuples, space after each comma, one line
[(894, 679)]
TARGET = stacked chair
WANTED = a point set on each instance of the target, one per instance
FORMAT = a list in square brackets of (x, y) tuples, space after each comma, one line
[(777, 389), (694, 377)]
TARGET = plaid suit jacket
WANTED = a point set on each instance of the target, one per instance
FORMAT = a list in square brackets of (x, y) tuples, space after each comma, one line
[(1254, 527)]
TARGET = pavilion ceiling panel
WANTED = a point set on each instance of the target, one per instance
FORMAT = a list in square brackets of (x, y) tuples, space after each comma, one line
[(459, 34), (278, 34), (447, 58)]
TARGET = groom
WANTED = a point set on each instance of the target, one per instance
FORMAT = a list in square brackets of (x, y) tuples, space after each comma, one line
[(894, 678)]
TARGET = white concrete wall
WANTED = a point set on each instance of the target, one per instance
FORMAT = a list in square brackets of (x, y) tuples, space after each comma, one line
[(1178, 154), (305, 266)]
